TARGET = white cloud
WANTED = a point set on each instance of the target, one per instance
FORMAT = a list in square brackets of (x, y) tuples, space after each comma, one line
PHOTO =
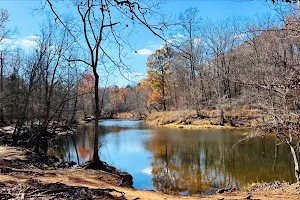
[(175, 38), (154, 46), (161, 47), (4, 43), (146, 52), (240, 36), (32, 37), (179, 36), (5, 40), (27, 43), (147, 171)]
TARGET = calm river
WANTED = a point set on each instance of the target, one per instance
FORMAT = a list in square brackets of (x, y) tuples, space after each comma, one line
[(180, 161)]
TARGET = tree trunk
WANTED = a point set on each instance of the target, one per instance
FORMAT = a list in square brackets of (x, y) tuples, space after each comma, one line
[(44, 126), (296, 163), (164, 99), (60, 114), (96, 158), (22, 117), (42, 132), (73, 118), (221, 117), (164, 106)]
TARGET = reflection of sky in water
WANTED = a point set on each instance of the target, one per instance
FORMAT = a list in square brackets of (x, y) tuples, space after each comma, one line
[(183, 161), (126, 151), (121, 123)]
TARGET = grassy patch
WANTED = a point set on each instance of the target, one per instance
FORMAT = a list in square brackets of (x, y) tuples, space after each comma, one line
[(235, 118), (168, 117)]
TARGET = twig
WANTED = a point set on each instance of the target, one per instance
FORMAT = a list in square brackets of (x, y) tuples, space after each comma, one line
[(110, 190), (6, 194), (56, 191), (24, 192), (37, 191)]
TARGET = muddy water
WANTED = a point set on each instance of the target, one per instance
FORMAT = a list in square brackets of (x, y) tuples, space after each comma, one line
[(180, 162)]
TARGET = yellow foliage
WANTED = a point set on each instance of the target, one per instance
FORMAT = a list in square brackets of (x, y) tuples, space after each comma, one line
[(158, 77)]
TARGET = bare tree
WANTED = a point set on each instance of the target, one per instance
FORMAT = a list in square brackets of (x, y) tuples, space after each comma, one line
[(4, 33), (99, 22), (191, 52)]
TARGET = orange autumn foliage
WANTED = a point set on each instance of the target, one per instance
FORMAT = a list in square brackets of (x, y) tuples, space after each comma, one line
[(123, 92), (86, 84)]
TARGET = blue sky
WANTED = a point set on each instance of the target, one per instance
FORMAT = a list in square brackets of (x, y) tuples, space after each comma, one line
[(21, 17)]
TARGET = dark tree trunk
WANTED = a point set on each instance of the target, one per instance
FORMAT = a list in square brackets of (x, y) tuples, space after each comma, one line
[(73, 118), (221, 117), (60, 114), (42, 132), (44, 126), (96, 159), (164, 106), (164, 98)]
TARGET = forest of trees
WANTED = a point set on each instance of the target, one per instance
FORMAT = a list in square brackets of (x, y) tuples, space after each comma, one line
[(206, 64), (230, 64)]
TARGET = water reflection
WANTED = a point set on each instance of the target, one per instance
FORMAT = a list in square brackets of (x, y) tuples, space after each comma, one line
[(193, 162), (180, 161)]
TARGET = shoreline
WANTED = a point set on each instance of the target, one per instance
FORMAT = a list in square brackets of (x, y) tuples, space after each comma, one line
[(198, 127), (17, 173), (18, 182)]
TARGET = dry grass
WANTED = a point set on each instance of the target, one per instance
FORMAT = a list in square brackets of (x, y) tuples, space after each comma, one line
[(243, 113), (240, 117), (168, 117), (126, 115), (11, 153), (198, 127)]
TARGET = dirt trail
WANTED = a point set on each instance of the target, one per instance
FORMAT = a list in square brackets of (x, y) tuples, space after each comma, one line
[(24, 183)]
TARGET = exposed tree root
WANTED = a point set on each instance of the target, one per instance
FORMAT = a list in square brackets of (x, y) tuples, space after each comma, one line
[(33, 189), (126, 181)]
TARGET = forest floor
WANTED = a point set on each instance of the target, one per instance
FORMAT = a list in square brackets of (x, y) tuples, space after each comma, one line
[(187, 119), (26, 180)]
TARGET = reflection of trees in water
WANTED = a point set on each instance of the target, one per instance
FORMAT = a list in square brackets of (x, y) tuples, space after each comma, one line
[(81, 145), (192, 161), (198, 164)]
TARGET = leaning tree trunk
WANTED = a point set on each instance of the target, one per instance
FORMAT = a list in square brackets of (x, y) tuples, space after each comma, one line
[(296, 163)]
